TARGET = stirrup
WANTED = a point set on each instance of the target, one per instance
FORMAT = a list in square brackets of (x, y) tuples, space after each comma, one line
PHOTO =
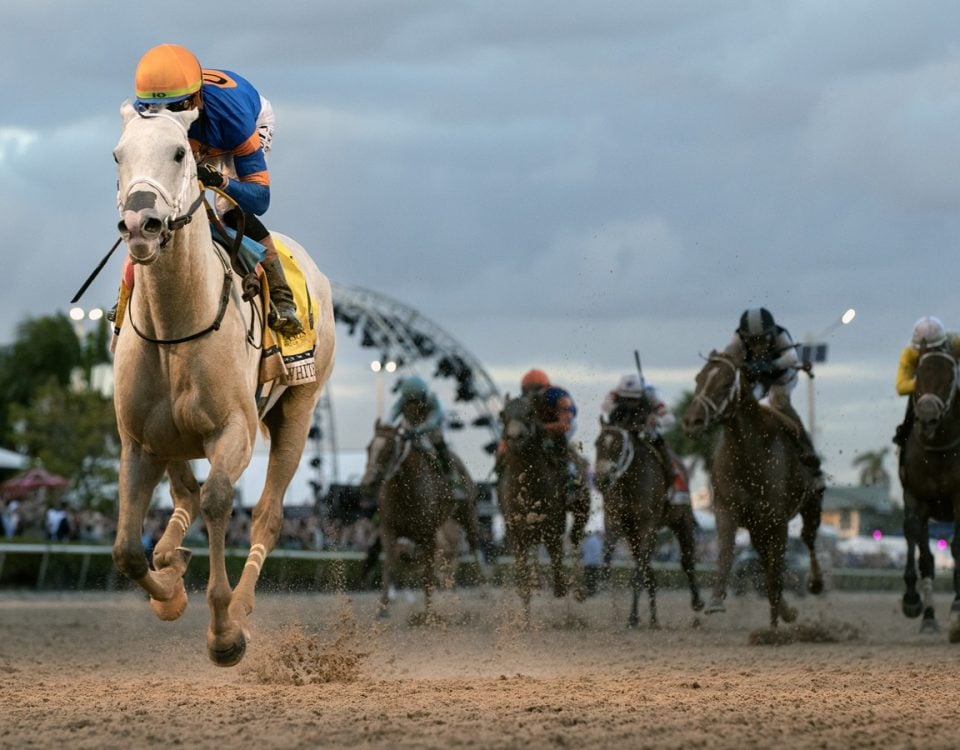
[(285, 322)]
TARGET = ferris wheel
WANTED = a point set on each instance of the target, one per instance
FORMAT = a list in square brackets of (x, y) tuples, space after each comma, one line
[(404, 340)]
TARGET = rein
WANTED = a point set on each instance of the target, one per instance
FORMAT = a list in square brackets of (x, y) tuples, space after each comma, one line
[(715, 411), (627, 453)]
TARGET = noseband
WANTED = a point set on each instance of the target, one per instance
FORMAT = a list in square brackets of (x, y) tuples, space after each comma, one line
[(716, 411)]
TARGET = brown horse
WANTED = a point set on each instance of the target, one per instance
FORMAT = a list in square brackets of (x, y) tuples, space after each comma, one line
[(759, 481), (187, 388), (636, 485), (534, 494), (930, 476), (416, 498)]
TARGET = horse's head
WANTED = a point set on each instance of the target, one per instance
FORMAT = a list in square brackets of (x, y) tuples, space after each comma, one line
[(157, 178), (382, 451), (519, 422), (935, 389), (718, 387), (614, 451)]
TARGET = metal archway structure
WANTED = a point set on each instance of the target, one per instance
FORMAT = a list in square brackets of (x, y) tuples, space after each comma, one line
[(401, 335)]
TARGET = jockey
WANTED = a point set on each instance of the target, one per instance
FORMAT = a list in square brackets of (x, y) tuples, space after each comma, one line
[(557, 414), (419, 413), (235, 125), (928, 333), (635, 406), (770, 364)]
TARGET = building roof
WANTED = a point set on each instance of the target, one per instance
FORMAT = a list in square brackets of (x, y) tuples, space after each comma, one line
[(856, 497)]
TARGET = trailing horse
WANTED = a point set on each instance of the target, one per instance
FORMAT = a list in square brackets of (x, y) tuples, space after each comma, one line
[(186, 374), (759, 480), (415, 497), (930, 476), (533, 489), (636, 485)]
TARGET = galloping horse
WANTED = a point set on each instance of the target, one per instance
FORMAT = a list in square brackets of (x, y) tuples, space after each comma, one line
[(635, 486), (187, 387), (533, 491), (758, 479), (415, 498), (930, 475)]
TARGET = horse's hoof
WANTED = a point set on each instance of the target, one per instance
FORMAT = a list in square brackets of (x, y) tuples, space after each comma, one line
[(633, 623), (714, 607), (697, 604), (788, 614), (229, 655), (930, 625), (911, 605), (954, 636), (815, 586), (172, 608), (383, 613)]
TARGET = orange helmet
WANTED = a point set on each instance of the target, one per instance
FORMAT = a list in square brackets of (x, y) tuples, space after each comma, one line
[(535, 379), (166, 74)]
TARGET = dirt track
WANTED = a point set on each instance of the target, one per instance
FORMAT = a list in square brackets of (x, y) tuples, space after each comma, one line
[(92, 671)]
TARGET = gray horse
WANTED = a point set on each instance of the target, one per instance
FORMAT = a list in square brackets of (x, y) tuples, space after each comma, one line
[(186, 373)]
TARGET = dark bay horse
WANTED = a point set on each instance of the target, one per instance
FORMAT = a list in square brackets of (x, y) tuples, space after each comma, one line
[(533, 491), (415, 498), (636, 485), (930, 476), (759, 481)]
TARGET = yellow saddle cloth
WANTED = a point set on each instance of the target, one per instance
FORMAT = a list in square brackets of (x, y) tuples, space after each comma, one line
[(296, 352)]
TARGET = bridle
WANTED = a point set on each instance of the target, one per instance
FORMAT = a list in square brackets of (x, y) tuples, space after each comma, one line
[(175, 220), (397, 457), (717, 411), (626, 456), (941, 405)]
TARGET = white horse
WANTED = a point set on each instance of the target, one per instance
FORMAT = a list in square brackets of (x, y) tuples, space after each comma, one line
[(186, 372)]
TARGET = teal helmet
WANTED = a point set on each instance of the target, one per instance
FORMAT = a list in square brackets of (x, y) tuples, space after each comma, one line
[(413, 386)]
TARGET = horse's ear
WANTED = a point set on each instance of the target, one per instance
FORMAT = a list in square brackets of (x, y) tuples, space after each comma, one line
[(186, 117), (127, 112), (377, 423)]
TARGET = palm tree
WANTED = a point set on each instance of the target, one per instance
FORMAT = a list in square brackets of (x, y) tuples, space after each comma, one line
[(872, 471)]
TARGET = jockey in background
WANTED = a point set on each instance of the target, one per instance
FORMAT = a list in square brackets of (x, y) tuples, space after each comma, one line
[(418, 412), (557, 414), (634, 405), (770, 364), (234, 130), (929, 333)]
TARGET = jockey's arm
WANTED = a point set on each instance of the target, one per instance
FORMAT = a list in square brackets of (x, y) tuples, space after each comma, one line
[(907, 371), (251, 189), (787, 358)]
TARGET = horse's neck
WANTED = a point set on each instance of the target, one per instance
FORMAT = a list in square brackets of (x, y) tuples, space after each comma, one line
[(182, 289)]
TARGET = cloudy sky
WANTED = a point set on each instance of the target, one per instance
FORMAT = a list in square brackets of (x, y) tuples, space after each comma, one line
[(554, 184)]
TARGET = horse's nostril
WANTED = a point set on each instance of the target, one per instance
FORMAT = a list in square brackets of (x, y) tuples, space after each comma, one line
[(152, 225), (122, 226)]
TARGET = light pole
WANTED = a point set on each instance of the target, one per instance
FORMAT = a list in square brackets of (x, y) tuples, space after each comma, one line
[(380, 366), (814, 351)]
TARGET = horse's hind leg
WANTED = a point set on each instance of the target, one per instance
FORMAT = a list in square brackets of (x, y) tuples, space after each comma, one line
[(771, 547), (288, 423), (139, 475), (555, 550)]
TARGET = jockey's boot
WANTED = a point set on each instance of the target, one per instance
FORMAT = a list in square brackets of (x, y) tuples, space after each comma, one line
[(285, 321), (449, 469), (661, 445)]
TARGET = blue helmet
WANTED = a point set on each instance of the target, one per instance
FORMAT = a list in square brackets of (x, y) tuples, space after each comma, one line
[(414, 386)]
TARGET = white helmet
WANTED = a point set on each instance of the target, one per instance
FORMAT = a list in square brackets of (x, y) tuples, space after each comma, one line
[(928, 332), (630, 386)]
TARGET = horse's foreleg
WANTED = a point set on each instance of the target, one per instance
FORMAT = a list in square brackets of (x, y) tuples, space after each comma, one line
[(955, 607), (771, 550), (810, 513), (139, 475), (388, 541), (555, 550), (926, 565), (683, 530), (726, 534), (911, 605), (226, 641), (648, 577), (429, 572), (521, 575)]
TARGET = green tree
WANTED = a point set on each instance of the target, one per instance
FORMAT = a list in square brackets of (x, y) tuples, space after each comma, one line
[(74, 434), (872, 471), (698, 450)]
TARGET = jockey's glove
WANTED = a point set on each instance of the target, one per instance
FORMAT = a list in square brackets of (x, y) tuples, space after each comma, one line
[(210, 177)]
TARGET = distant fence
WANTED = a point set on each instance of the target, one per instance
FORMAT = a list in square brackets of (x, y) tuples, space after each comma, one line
[(86, 567)]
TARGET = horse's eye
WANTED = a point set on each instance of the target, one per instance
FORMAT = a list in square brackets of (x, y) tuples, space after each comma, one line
[(181, 152)]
